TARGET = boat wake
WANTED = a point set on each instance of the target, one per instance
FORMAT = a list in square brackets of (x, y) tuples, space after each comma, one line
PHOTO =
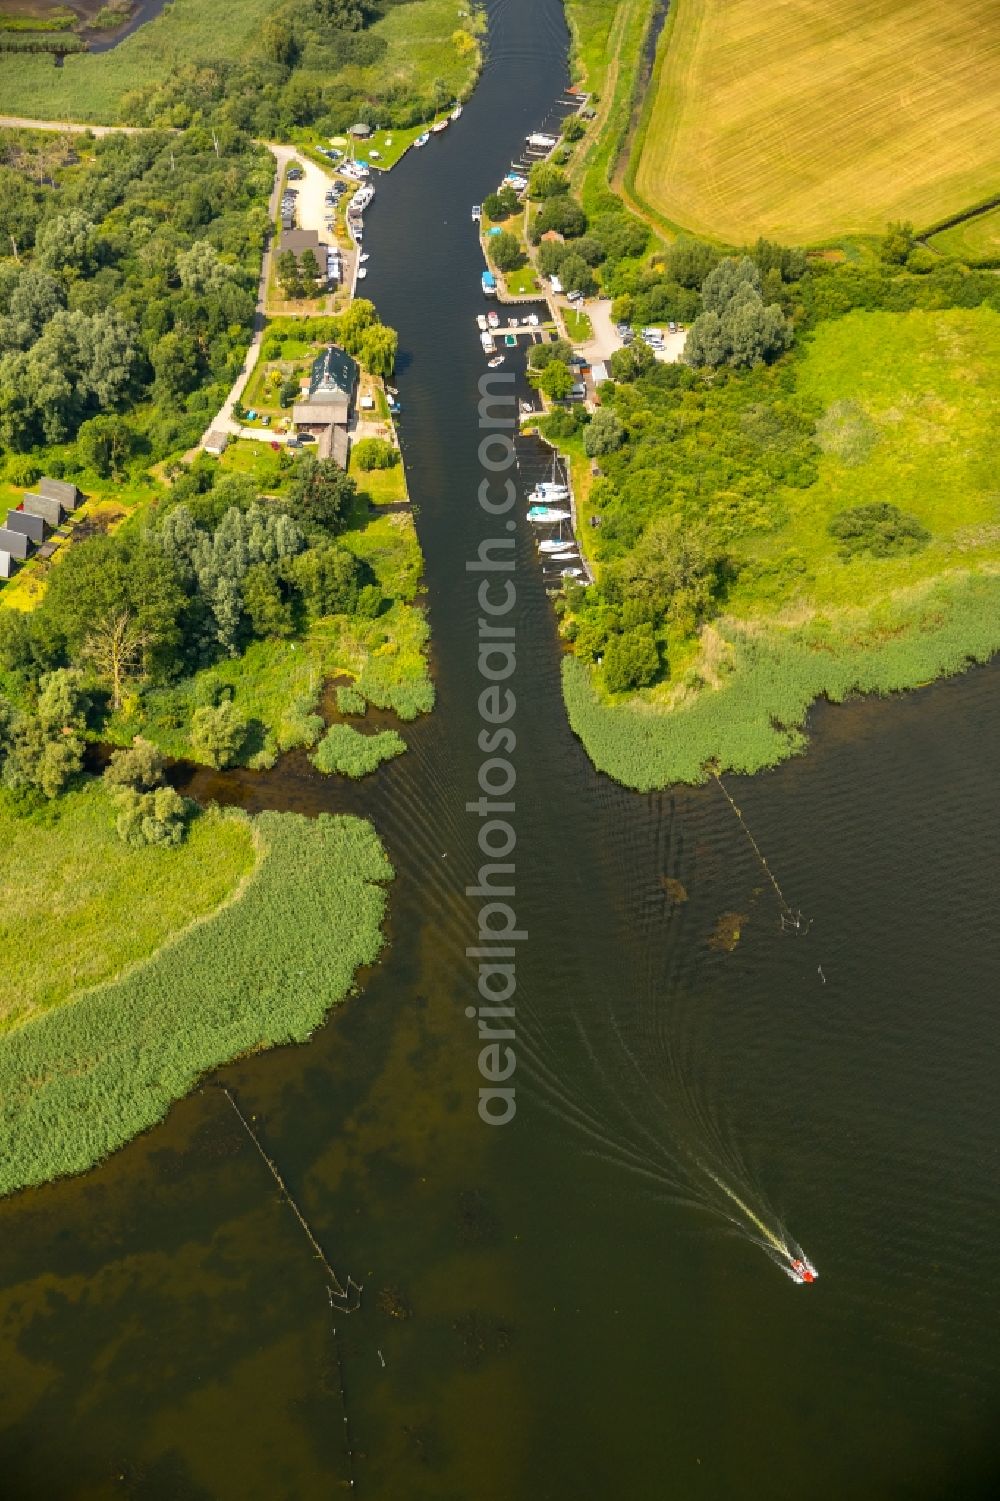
[(626, 1134)]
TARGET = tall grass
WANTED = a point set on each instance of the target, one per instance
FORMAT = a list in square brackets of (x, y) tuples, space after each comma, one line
[(80, 1081), (347, 750), (756, 717)]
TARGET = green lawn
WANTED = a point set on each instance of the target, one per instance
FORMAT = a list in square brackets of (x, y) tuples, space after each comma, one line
[(974, 240), (391, 145), (79, 1081), (384, 486), (98, 905), (522, 282), (578, 326)]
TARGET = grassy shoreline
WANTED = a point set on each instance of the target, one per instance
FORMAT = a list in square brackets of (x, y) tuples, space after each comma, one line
[(756, 718), (797, 622), (81, 1080)]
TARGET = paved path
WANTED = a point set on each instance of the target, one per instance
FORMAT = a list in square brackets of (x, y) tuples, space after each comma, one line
[(224, 421), (71, 127)]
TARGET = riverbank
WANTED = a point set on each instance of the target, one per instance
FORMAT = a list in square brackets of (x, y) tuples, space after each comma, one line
[(876, 407), (80, 1080)]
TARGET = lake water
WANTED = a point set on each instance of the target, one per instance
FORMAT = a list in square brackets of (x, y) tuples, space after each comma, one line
[(582, 1319)]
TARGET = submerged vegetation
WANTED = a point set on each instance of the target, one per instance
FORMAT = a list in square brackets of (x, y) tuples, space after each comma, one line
[(80, 1080)]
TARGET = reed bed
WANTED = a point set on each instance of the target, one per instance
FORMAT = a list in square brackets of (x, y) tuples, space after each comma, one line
[(756, 717), (83, 1079)]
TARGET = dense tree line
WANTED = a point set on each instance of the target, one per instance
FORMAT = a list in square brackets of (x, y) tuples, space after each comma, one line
[(303, 71), (692, 460), (213, 569), (134, 278)]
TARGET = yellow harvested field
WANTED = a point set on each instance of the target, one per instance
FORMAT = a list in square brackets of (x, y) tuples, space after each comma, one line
[(804, 119)]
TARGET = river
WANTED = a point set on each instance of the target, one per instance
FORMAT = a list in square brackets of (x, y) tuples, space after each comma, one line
[(581, 1321)]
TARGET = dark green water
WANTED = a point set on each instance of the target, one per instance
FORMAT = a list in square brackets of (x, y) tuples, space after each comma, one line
[(582, 1324)]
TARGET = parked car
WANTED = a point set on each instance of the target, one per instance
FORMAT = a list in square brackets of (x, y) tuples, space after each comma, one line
[(295, 174), (574, 296), (672, 326), (578, 392)]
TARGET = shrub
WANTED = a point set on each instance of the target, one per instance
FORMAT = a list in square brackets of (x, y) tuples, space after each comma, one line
[(144, 818), (299, 725), (505, 251), (344, 749), (603, 434), (375, 453), (218, 735), (880, 529), (21, 469), (576, 275), (139, 766), (631, 660)]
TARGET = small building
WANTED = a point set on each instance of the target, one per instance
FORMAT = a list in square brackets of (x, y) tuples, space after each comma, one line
[(325, 409), (43, 505), (14, 543), (298, 240), (553, 237), (32, 527), (67, 495), (599, 372), (216, 443), (361, 131)]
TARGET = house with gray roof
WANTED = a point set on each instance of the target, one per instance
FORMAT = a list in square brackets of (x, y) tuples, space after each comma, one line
[(326, 407), (14, 543), (45, 506), (67, 495), (33, 527)]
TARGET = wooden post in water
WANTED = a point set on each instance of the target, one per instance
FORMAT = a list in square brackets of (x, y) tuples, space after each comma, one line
[(350, 1295)]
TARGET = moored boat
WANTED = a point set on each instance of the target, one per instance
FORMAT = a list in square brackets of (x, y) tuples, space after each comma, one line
[(544, 515)]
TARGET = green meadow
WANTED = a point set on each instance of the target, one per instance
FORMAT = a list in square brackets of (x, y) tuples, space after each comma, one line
[(78, 906), (416, 45), (903, 408), (975, 241)]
